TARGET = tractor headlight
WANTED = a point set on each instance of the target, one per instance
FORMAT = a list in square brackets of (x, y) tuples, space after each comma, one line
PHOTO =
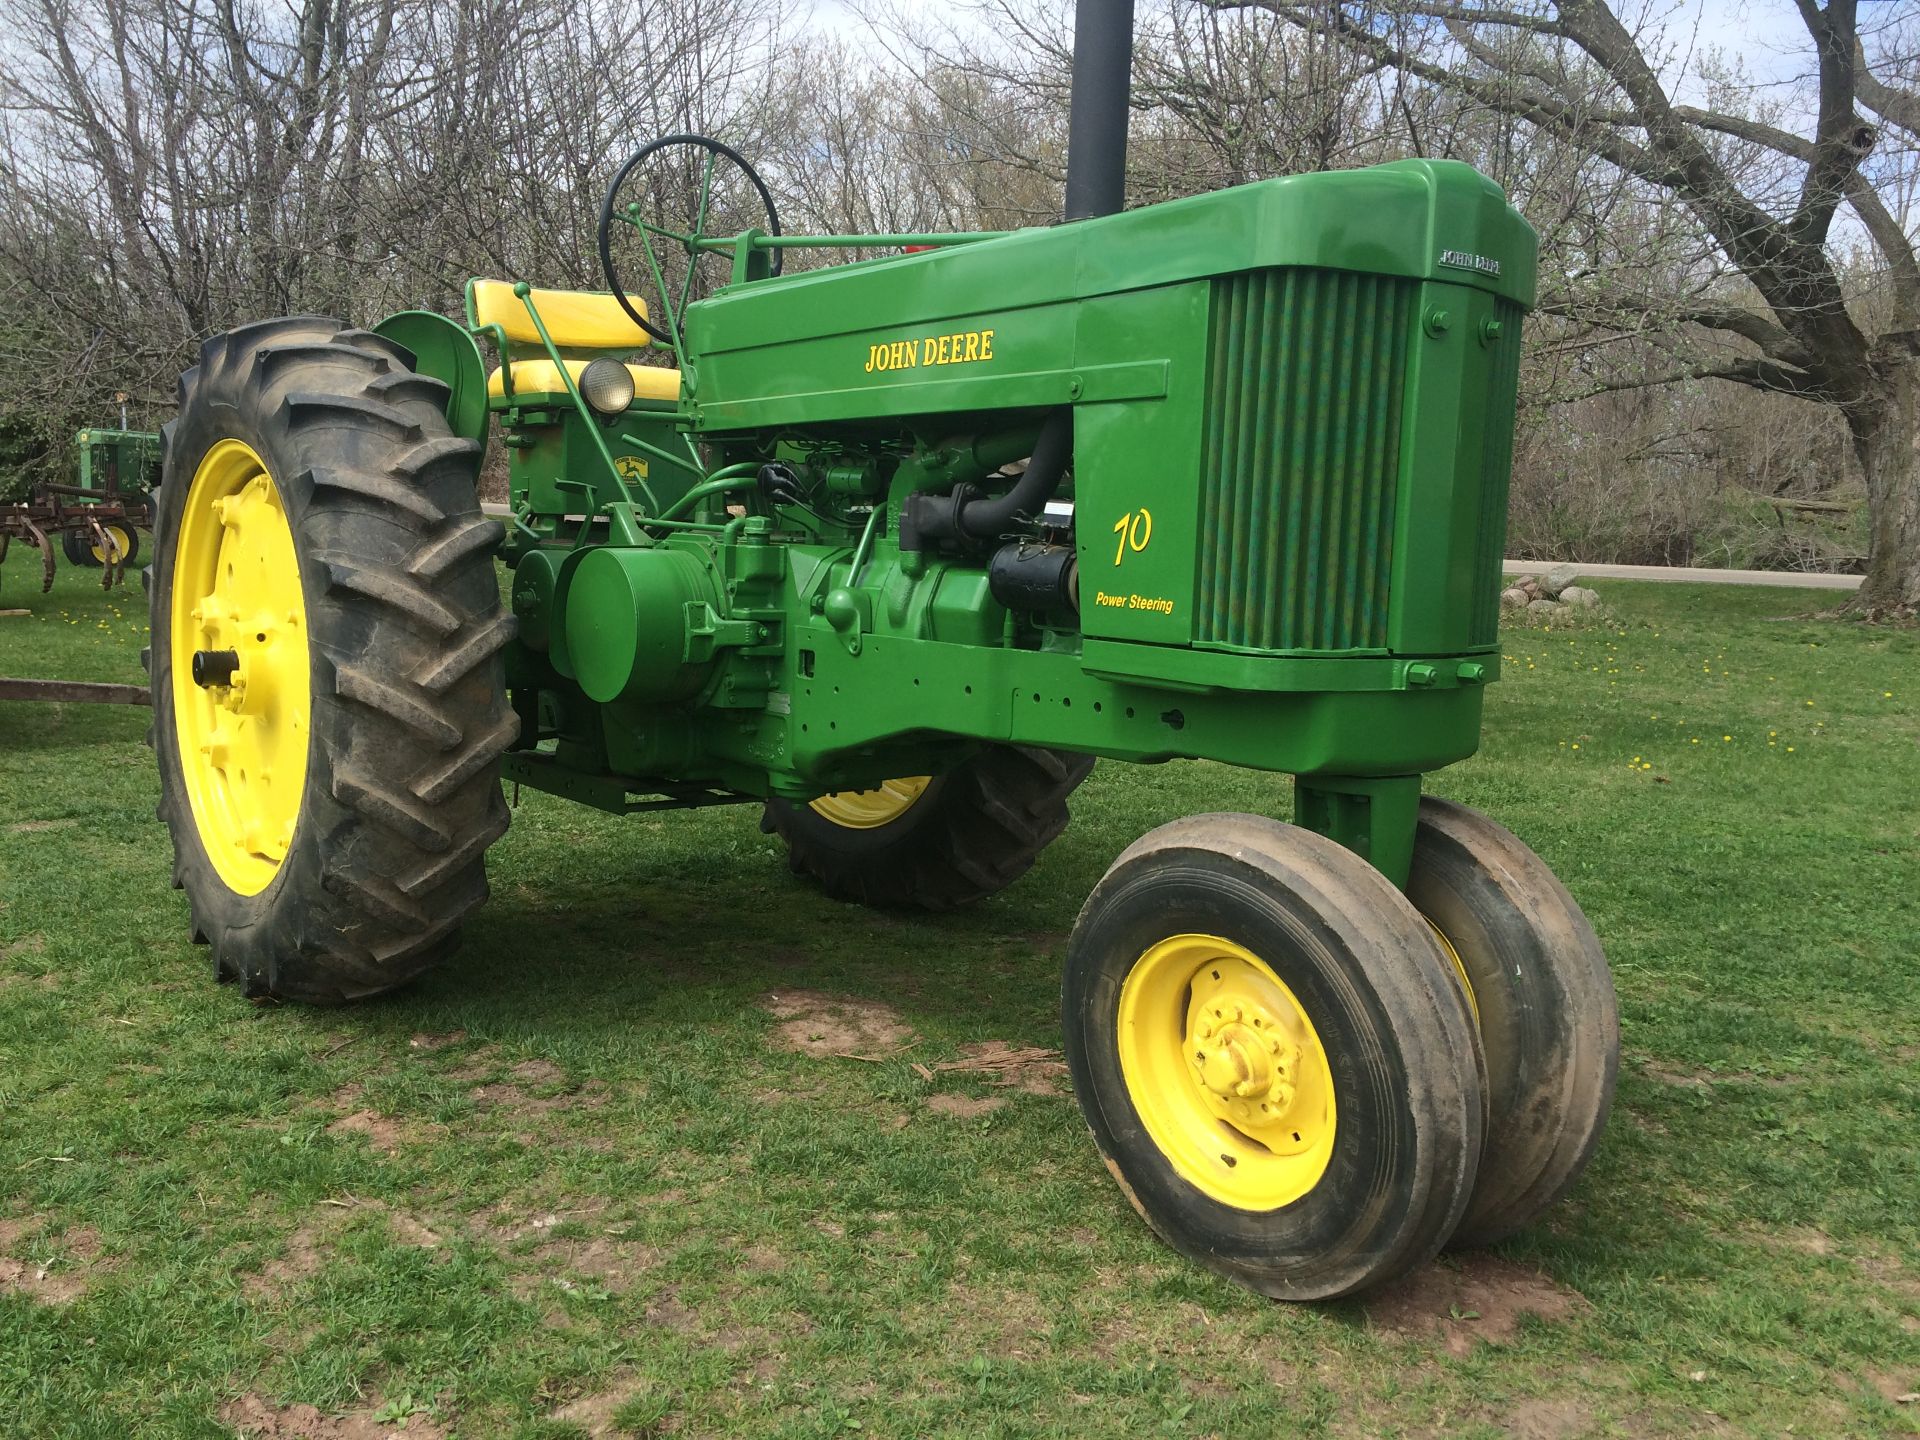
[(607, 386)]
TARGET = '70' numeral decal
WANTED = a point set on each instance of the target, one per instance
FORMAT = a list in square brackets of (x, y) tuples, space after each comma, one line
[(1135, 529)]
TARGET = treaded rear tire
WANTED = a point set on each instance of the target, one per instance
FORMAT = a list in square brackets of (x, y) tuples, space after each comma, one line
[(409, 713), (973, 832)]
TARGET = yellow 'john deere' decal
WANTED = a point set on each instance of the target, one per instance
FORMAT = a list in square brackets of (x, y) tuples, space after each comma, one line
[(962, 348)]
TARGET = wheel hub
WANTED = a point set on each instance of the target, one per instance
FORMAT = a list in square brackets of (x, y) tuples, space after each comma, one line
[(1226, 1071), (1241, 1050), (239, 633)]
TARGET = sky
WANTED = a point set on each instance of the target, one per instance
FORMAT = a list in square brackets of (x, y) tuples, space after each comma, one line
[(1767, 33)]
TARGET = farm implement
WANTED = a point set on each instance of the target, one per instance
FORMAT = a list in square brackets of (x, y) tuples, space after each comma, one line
[(896, 547), (98, 518)]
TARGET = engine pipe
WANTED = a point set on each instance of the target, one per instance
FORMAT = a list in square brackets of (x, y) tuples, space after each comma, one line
[(1097, 110), (965, 514)]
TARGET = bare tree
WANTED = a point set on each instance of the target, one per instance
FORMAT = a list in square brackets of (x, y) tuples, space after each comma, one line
[(170, 168), (1759, 198)]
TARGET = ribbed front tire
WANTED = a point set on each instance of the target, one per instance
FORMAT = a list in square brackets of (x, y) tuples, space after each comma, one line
[(403, 627)]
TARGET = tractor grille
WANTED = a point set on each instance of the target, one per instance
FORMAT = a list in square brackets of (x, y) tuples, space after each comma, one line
[(1496, 471), (1300, 459)]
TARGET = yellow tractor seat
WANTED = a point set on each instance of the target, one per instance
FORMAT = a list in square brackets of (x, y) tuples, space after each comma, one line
[(542, 377), (576, 319), (583, 324)]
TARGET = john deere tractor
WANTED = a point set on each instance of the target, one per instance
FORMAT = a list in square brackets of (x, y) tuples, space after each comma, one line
[(896, 546)]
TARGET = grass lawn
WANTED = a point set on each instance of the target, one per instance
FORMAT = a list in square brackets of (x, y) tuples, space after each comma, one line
[(581, 1180)]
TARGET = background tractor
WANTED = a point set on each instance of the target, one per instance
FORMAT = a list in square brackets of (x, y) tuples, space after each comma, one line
[(895, 548), (97, 518)]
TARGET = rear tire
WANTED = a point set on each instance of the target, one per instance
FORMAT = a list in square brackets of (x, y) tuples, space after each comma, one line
[(968, 834), (77, 546), (1364, 1165), (404, 628), (1548, 1019)]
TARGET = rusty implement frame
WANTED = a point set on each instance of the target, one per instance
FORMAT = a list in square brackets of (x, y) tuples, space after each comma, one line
[(50, 513)]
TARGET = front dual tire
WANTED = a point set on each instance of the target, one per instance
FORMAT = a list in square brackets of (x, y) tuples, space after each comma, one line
[(1291, 930), (1309, 1081)]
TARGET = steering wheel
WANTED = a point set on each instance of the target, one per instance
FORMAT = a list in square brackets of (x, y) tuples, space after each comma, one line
[(675, 185)]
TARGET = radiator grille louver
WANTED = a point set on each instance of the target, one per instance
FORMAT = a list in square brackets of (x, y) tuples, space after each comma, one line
[(1300, 459)]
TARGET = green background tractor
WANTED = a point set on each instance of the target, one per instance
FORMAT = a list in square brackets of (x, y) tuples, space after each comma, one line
[(897, 548), (113, 465)]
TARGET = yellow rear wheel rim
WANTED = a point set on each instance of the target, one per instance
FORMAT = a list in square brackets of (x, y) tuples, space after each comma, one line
[(121, 539), (870, 809), (242, 746), (1227, 1072)]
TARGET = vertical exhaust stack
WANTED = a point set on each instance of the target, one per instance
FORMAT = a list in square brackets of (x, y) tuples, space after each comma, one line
[(1097, 116)]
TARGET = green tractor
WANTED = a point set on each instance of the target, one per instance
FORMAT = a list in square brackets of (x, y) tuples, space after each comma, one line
[(116, 473), (897, 547)]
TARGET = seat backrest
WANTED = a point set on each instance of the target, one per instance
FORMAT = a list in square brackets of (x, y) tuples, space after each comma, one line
[(576, 319)]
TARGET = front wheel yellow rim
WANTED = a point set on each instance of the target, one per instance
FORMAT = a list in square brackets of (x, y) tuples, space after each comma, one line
[(870, 809), (123, 543), (242, 743), (1227, 1072)]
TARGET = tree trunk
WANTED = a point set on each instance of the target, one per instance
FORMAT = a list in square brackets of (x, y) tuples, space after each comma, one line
[(1886, 436)]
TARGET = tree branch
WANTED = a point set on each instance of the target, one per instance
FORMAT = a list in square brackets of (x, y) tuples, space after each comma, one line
[(1897, 106)]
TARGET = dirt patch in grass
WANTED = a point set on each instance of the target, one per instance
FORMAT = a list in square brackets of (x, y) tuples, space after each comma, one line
[(825, 1026), (409, 1231), (1021, 1067), (964, 1107), (428, 1043), (476, 1066), (667, 1311), (1679, 1079), (1545, 1420), (256, 1419), (1480, 1297), (383, 1133), (595, 1413), (610, 1263), (1890, 1274), (504, 1096), (306, 1250), (1896, 1387), (302, 1256), (60, 1275), (35, 827), (25, 945)]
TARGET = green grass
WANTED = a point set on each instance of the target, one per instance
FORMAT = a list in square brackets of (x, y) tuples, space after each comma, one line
[(675, 1227)]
